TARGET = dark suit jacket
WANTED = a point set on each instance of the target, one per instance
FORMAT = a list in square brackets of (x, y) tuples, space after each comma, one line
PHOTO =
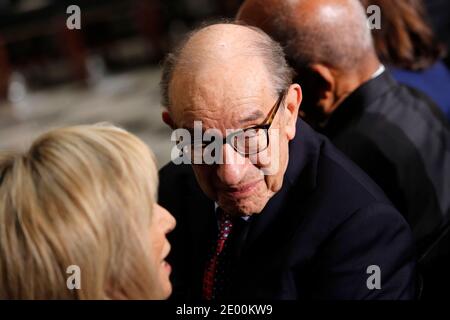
[(314, 239), (402, 141)]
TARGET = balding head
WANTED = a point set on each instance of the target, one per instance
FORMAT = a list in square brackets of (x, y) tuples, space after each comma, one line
[(331, 32), (328, 42), (235, 82), (225, 46)]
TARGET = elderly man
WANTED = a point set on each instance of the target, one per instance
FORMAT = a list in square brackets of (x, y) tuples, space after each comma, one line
[(313, 225), (394, 133)]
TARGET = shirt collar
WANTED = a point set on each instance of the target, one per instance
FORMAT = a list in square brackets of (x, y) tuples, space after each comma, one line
[(379, 71), (245, 218)]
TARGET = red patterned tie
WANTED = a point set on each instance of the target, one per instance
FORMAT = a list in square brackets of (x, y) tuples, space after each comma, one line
[(213, 266)]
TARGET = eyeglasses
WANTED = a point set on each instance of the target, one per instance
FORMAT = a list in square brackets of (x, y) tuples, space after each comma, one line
[(249, 141)]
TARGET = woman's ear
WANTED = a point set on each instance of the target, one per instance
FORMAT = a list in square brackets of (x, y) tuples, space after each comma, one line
[(167, 119), (292, 102)]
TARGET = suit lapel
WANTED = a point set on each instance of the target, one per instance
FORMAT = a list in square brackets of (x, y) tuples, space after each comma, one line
[(299, 180)]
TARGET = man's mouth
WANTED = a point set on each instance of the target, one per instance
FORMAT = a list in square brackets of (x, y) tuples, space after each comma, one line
[(243, 190)]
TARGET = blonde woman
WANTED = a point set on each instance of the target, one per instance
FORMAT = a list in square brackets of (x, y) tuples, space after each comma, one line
[(80, 205)]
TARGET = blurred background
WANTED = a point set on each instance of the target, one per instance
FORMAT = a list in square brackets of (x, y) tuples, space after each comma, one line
[(108, 70)]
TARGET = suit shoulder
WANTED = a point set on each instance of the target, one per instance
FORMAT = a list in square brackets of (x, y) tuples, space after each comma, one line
[(340, 190), (347, 179)]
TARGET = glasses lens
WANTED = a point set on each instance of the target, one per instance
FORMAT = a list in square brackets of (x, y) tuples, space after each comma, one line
[(250, 141)]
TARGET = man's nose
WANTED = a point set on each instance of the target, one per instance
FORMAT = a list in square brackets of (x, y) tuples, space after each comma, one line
[(234, 167)]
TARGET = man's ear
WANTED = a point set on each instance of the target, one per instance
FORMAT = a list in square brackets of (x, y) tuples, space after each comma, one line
[(324, 87), (167, 119), (292, 101)]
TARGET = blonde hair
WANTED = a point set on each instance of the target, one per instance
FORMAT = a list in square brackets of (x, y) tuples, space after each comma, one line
[(80, 196)]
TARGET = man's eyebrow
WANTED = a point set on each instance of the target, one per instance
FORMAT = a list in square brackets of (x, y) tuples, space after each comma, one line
[(255, 115)]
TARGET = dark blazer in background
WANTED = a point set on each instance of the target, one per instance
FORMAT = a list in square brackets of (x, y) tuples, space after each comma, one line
[(314, 239), (433, 81), (402, 140)]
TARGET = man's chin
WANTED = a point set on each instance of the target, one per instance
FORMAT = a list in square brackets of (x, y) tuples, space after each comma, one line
[(242, 208)]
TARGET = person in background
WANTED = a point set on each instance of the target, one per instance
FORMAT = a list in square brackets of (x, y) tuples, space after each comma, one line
[(395, 133), (407, 45), (82, 196), (391, 131)]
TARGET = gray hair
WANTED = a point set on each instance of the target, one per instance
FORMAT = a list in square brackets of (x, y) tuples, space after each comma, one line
[(262, 46)]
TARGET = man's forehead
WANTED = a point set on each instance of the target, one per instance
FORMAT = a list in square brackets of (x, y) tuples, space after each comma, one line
[(229, 98), (223, 116), (213, 74)]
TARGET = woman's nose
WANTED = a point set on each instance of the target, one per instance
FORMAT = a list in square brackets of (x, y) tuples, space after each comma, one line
[(169, 221)]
